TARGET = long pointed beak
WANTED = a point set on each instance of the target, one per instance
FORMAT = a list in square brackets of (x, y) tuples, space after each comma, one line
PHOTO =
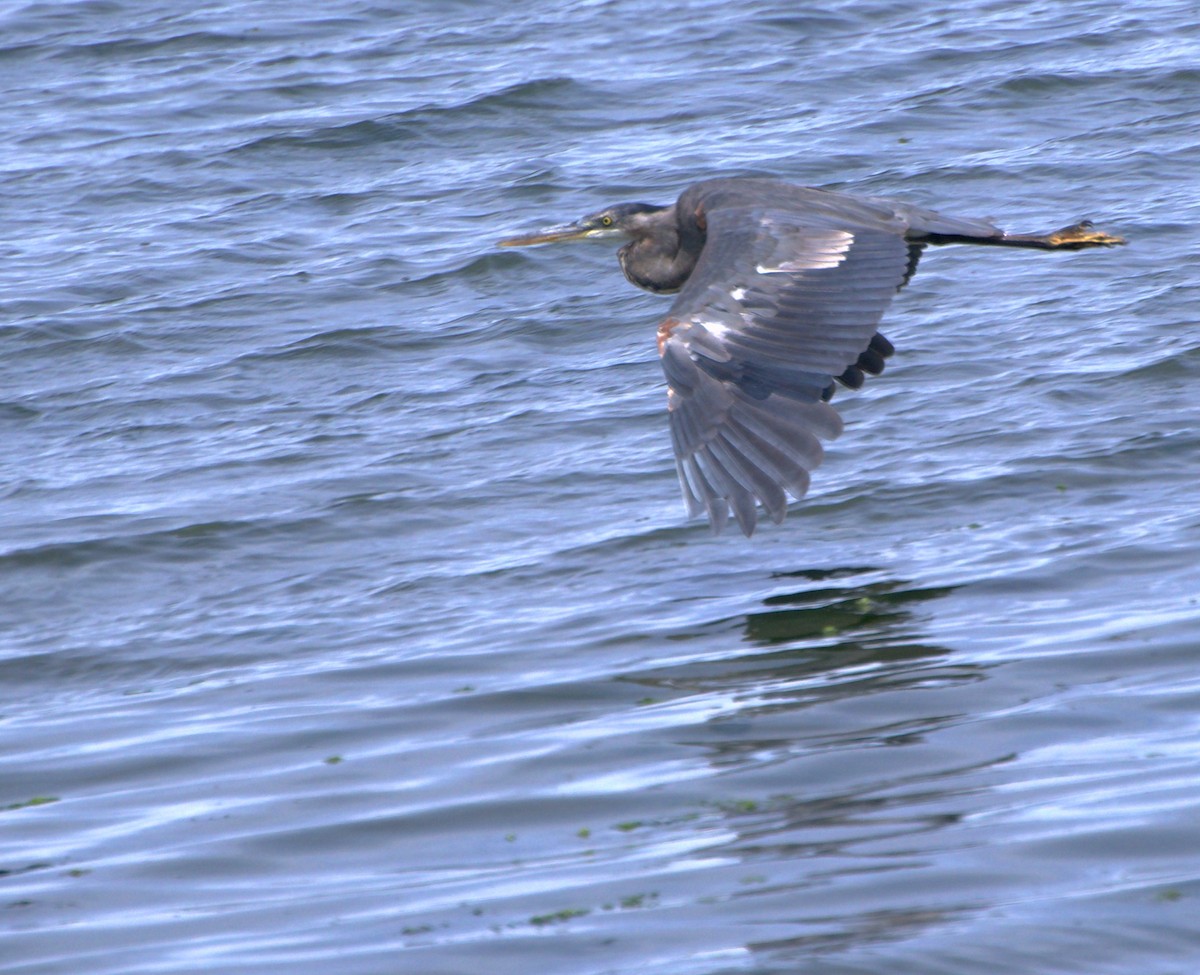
[(569, 231)]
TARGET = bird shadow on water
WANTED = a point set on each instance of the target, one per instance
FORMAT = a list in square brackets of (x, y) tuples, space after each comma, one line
[(847, 630), (826, 761), (870, 609)]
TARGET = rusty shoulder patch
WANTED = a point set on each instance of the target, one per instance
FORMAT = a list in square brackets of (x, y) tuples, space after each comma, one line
[(665, 328)]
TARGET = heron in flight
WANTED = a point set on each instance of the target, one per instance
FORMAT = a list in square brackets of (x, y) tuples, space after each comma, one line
[(781, 289)]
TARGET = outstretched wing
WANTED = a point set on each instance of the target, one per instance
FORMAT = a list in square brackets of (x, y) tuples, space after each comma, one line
[(780, 303)]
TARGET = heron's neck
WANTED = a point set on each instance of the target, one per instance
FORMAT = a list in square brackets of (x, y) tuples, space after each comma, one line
[(657, 260)]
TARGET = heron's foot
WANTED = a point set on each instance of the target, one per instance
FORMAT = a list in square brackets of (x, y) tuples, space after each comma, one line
[(1081, 235)]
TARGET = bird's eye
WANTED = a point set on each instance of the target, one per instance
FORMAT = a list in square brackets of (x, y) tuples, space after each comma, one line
[(606, 221)]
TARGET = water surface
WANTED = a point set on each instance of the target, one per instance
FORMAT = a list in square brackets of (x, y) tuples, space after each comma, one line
[(351, 620)]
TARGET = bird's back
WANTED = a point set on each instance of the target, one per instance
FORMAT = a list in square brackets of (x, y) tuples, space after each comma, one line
[(830, 208)]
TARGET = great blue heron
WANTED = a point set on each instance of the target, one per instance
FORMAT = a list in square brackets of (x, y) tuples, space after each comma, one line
[(781, 289)]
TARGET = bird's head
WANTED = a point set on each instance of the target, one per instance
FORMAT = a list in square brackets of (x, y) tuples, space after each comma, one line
[(626, 221)]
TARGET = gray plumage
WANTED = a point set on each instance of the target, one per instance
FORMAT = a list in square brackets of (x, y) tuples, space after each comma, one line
[(780, 291)]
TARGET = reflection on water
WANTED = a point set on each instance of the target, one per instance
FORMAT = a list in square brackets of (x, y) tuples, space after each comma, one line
[(869, 928), (844, 639), (868, 615), (817, 805)]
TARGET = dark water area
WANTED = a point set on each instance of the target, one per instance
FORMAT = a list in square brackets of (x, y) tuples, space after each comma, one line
[(350, 619)]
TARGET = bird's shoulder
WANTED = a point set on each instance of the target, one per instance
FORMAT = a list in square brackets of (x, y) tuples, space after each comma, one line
[(762, 200)]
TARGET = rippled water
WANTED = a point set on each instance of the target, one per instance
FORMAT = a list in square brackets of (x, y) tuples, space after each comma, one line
[(351, 621)]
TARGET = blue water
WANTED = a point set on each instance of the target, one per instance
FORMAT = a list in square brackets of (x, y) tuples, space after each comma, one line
[(350, 619)]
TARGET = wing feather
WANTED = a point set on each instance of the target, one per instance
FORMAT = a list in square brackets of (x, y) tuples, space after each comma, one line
[(780, 303), (733, 493)]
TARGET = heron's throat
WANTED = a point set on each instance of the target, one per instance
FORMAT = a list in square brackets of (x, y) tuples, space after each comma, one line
[(657, 262)]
